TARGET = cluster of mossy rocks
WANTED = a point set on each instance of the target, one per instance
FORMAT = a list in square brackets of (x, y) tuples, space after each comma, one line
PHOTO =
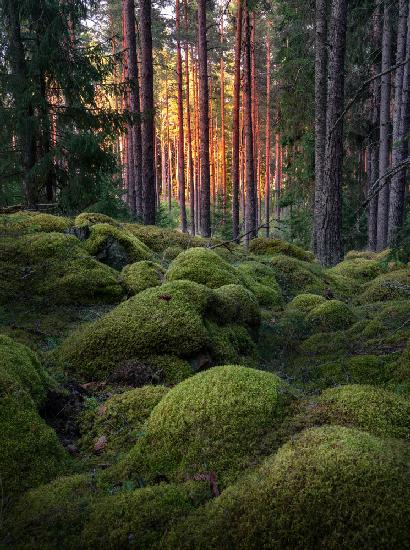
[(159, 390)]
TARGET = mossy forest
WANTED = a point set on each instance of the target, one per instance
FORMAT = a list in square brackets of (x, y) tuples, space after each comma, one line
[(204, 274)]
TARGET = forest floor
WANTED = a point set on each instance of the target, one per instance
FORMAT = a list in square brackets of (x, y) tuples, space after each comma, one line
[(160, 391)]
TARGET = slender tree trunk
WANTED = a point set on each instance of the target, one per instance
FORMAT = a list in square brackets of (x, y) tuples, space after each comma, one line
[(181, 159), (329, 235), (205, 210), (236, 123), (401, 125), (189, 134), (384, 151), (223, 144), (267, 138), (278, 176), (250, 202), (134, 129), (320, 110), (374, 136), (211, 143), (147, 103)]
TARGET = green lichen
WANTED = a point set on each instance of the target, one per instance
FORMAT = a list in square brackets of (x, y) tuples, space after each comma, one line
[(306, 302), (331, 487), (220, 421), (93, 218), (142, 275), (331, 315), (268, 247), (394, 285)]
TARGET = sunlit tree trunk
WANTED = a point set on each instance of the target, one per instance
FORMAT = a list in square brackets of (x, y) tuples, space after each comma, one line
[(267, 138), (181, 154), (191, 183), (223, 145), (236, 123)]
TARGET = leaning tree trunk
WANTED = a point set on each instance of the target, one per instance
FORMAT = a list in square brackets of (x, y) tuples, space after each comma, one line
[(181, 155), (250, 200), (236, 123), (205, 206), (400, 122), (329, 235), (320, 110), (384, 150), (147, 114)]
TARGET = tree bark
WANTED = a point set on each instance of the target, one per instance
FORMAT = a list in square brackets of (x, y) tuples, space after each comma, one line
[(189, 133), (384, 148), (236, 123), (223, 144), (147, 112), (181, 153), (329, 235), (267, 138), (320, 110), (250, 199), (205, 207), (400, 123)]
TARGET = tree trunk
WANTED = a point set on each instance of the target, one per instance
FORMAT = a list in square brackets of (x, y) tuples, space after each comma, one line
[(223, 144), (189, 134), (400, 122), (250, 200), (329, 235), (147, 108), (374, 136), (384, 150), (278, 177), (236, 123), (134, 128), (181, 159), (320, 110), (267, 138), (205, 208)]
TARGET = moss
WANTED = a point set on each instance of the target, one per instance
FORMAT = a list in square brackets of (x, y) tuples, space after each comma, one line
[(389, 286), (32, 222), (164, 319), (120, 419), (52, 516), (217, 421), (203, 266), (306, 302), (232, 344), (170, 369), (171, 252), (142, 517), (260, 279), (93, 218), (158, 239), (331, 315), (236, 304), (375, 410), (326, 344), (142, 275), (330, 487), (103, 234), (359, 269), (54, 268), (296, 276), (367, 255), (268, 247)]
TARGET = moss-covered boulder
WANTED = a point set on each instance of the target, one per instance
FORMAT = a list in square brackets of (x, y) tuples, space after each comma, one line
[(32, 222), (158, 239), (359, 269), (94, 218), (236, 304), (171, 252), (119, 420), (260, 279), (115, 247), (54, 268), (394, 285), (331, 315), (269, 247), (141, 518), (306, 302), (330, 487), (142, 275), (220, 421), (297, 276), (373, 409), (231, 343)]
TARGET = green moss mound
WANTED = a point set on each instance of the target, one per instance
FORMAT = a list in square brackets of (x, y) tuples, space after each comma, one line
[(331, 315), (32, 222), (375, 410), (389, 286), (171, 252), (268, 247), (158, 239), (331, 487), (93, 218), (232, 343), (360, 269), (236, 304), (141, 517), (260, 279), (115, 246), (367, 255), (296, 276), (54, 268), (306, 302), (203, 266), (217, 421), (142, 275), (52, 516), (120, 419)]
